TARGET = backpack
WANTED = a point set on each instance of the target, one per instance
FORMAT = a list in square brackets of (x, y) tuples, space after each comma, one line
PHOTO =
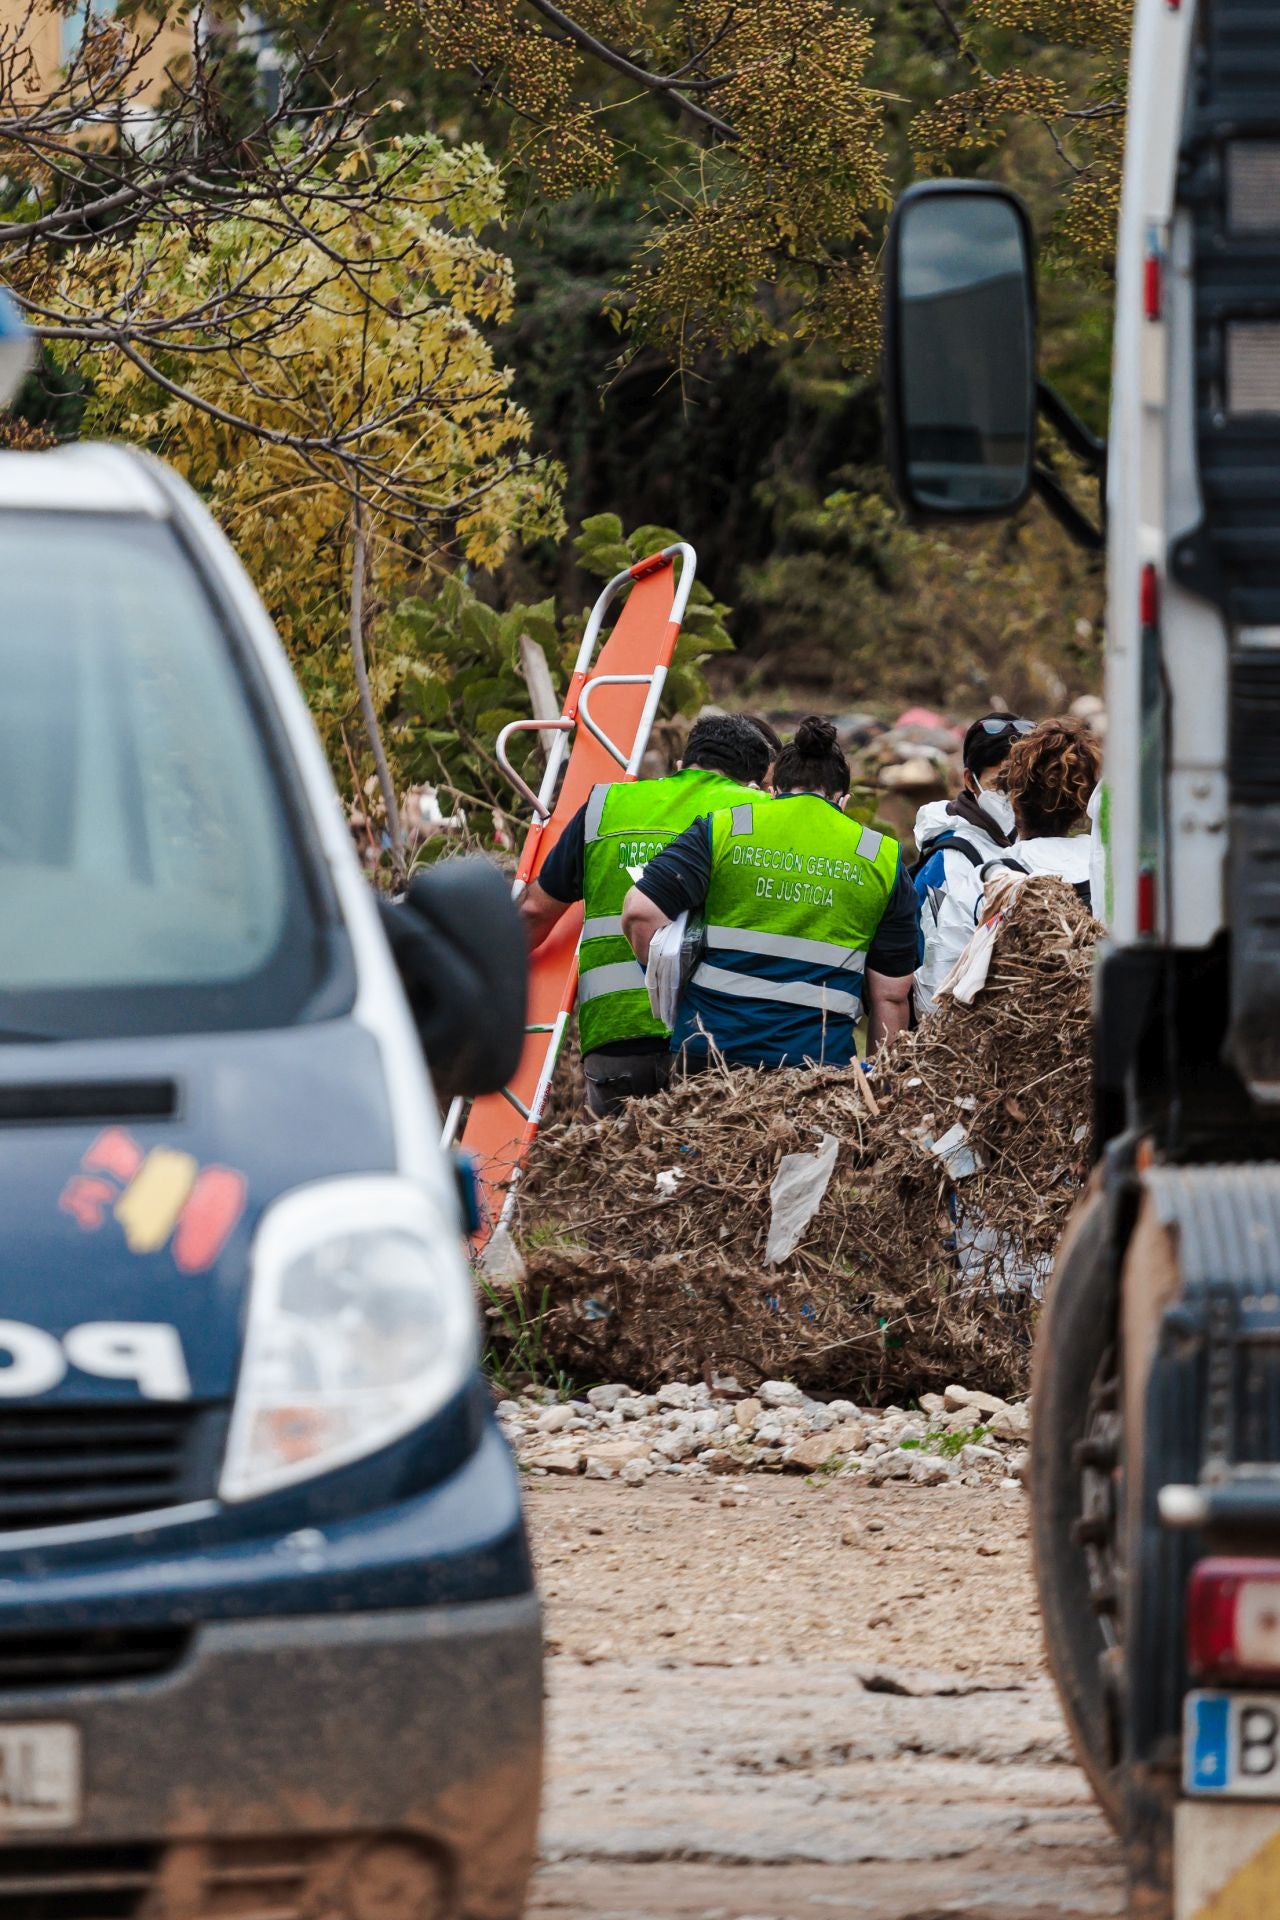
[(948, 838)]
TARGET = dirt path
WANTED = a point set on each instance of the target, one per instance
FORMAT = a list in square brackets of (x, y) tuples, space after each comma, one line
[(772, 1701)]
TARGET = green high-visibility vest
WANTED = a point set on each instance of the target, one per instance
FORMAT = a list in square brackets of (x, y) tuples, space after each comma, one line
[(626, 826), (797, 892)]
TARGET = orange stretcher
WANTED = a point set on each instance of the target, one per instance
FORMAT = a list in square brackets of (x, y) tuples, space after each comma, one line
[(603, 731)]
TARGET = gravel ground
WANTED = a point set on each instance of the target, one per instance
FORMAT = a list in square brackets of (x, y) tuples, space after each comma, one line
[(692, 1429), (784, 1699)]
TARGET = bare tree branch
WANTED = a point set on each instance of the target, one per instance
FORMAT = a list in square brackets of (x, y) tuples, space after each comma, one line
[(671, 88)]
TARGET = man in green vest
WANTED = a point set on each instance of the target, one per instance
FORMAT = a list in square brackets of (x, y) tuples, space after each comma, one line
[(601, 853), (806, 912)]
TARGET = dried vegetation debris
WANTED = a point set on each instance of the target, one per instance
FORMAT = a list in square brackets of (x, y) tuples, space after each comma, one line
[(644, 1241)]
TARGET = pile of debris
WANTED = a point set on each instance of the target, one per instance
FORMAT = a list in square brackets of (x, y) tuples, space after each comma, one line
[(613, 1433), (874, 1238)]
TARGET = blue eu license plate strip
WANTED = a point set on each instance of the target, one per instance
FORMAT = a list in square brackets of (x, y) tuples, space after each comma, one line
[(1231, 1745)]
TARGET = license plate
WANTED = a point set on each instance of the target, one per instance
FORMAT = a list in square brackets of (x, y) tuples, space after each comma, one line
[(1231, 1745), (39, 1776)]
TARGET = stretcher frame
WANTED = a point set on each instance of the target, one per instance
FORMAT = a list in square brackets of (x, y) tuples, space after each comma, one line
[(499, 1128)]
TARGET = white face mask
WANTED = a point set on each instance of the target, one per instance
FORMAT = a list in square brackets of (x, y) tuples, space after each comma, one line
[(998, 808)]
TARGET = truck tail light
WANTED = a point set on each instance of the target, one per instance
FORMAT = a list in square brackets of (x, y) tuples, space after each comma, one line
[(1152, 282), (1149, 598), (1233, 1619)]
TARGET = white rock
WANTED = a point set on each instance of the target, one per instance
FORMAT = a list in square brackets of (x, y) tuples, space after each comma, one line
[(842, 1409), (927, 1470), (893, 1464), (638, 1406), (963, 1420), (957, 1397), (1011, 1423), (556, 1419), (819, 1419), (780, 1393), (769, 1431), (605, 1399), (678, 1445), (675, 1396), (634, 1472), (706, 1420)]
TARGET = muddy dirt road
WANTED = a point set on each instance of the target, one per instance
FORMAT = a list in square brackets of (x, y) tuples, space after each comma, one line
[(776, 1701)]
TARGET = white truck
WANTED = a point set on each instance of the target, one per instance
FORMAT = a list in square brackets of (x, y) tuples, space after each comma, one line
[(1156, 1452)]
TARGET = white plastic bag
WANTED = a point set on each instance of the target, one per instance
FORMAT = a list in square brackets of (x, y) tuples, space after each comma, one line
[(662, 974), (796, 1194), (969, 975)]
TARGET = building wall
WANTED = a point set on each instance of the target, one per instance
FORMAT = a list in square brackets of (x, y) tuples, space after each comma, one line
[(53, 36)]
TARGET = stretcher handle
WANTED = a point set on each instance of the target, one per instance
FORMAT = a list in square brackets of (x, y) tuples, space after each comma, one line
[(521, 785), (593, 727)]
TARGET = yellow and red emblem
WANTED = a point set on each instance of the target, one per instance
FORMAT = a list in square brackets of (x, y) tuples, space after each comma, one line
[(156, 1197)]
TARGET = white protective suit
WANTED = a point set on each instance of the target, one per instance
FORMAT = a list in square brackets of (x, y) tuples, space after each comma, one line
[(949, 887)]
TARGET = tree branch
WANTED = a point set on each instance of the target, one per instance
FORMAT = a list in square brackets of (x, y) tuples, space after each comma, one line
[(669, 89)]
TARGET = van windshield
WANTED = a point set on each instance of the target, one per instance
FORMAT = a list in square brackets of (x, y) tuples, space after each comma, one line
[(149, 878)]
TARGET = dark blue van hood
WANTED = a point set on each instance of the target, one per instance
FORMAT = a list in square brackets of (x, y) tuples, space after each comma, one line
[(260, 1113)]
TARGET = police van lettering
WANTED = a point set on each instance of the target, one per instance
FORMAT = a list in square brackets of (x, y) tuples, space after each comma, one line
[(147, 1352)]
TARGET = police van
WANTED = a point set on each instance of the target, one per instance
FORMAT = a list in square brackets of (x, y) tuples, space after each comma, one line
[(269, 1641)]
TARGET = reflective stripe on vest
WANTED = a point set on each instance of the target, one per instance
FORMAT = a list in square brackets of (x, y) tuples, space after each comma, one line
[(785, 946), (624, 827), (623, 974), (791, 993)]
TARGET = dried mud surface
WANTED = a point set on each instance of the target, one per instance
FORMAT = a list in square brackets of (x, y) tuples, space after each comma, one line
[(781, 1701)]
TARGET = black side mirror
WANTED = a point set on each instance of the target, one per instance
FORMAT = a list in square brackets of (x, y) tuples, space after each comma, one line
[(462, 956), (960, 350)]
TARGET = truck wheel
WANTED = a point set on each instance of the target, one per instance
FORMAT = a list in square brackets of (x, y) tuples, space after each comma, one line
[(1074, 1469)]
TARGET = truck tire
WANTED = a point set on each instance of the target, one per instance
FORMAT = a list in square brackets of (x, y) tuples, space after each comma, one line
[(1074, 1340)]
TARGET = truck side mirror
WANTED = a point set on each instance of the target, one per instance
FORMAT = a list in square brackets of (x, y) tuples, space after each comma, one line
[(462, 957), (960, 350)]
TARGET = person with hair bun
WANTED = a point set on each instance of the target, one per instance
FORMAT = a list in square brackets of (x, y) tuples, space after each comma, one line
[(1051, 778), (806, 911)]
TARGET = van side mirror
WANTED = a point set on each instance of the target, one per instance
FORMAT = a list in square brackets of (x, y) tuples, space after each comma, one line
[(960, 350), (462, 957)]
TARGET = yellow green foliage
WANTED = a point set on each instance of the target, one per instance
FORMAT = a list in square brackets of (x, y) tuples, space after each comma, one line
[(376, 379)]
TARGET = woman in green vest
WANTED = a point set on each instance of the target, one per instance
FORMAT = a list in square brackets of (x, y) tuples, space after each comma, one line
[(603, 849), (806, 913)]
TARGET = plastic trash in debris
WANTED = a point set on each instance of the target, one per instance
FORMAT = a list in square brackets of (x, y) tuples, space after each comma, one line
[(501, 1262), (955, 1153), (668, 1180), (795, 1196)]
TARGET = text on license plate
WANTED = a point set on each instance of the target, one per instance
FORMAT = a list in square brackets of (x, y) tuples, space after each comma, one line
[(39, 1776), (1231, 1745)]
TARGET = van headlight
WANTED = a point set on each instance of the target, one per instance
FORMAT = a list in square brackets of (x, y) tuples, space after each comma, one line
[(361, 1325)]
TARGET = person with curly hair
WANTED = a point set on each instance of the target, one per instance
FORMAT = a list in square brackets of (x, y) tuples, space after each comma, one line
[(1051, 777)]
